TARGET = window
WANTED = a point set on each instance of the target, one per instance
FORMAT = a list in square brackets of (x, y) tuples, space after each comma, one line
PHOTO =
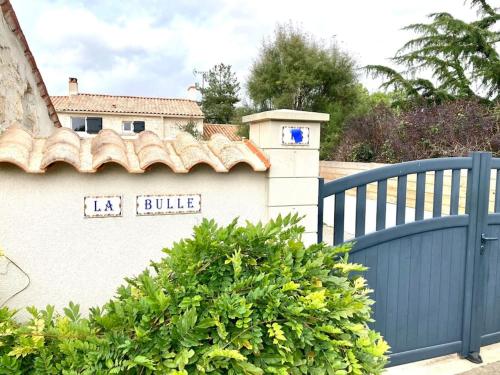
[(133, 126), (78, 124), (90, 125), (127, 126), (139, 126), (94, 125)]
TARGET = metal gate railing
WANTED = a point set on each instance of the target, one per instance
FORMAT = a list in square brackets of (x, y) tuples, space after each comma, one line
[(436, 280)]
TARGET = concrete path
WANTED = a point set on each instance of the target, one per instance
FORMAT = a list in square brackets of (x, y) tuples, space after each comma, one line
[(453, 365), (492, 369)]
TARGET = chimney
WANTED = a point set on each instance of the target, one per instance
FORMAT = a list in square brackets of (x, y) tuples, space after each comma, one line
[(193, 93), (73, 86)]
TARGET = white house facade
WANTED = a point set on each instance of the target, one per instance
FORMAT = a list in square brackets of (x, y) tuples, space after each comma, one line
[(87, 114)]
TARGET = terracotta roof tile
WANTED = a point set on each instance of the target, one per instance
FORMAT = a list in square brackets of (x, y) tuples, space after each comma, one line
[(11, 18), (228, 130), (127, 105), (87, 155)]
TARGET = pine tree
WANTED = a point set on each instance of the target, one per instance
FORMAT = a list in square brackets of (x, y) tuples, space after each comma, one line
[(461, 56), (219, 94)]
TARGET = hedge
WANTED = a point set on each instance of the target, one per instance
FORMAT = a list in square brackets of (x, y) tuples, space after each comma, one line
[(246, 299)]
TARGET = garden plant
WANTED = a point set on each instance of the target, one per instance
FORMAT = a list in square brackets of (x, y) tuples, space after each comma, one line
[(236, 299)]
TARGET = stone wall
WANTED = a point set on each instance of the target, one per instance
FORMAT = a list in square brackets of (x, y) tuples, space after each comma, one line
[(20, 99)]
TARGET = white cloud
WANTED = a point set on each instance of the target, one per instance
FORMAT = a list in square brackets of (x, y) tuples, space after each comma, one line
[(151, 47)]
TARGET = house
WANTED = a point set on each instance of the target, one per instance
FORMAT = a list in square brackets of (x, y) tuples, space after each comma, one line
[(87, 114), (24, 100)]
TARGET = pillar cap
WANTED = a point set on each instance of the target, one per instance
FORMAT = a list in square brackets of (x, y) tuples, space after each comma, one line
[(287, 115)]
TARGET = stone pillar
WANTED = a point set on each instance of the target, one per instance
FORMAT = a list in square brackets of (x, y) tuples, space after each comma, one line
[(290, 139)]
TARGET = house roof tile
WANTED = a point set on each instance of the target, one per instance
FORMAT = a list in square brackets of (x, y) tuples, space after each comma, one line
[(97, 103), (228, 130)]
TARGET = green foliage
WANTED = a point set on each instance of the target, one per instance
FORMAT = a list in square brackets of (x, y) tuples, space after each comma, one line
[(191, 128), (294, 71), (453, 128), (367, 101), (462, 57), (231, 300), (239, 112), (219, 94), (362, 152)]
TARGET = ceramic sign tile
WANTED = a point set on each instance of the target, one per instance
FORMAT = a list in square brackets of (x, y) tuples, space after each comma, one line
[(295, 135), (168, 204), (102, 206)]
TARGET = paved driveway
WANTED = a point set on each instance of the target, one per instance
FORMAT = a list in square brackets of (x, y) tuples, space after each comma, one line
[(491, 369), (453, 365)]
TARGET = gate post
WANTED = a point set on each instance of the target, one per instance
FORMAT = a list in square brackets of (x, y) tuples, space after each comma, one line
[(291, 139), (478, 200)]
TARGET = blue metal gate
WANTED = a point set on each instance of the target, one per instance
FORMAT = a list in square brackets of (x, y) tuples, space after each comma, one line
[(436, 280)]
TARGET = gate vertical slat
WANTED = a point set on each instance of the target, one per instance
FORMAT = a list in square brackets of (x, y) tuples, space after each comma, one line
[(438, 194), (360, 210), (468, 193), (321, 183), (420, 198), (472, 190), (401, 200), (381, 204), (497, 190), (455, 192), (414, 305), (338, 218)]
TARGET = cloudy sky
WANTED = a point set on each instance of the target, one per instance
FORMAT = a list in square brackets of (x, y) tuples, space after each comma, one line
[(151, 47)]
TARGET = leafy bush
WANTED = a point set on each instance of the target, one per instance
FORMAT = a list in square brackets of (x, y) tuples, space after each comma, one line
[(231, 300), (367, 132), (362, 152), (450, 129), (190, 127)]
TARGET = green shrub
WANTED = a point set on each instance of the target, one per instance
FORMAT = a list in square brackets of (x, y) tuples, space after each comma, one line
[(230, 300), (362, 152), (190, 127), (453, 128)]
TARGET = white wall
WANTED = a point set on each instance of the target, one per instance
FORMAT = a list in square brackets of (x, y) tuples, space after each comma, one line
[(68, 257), (164, 127)]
